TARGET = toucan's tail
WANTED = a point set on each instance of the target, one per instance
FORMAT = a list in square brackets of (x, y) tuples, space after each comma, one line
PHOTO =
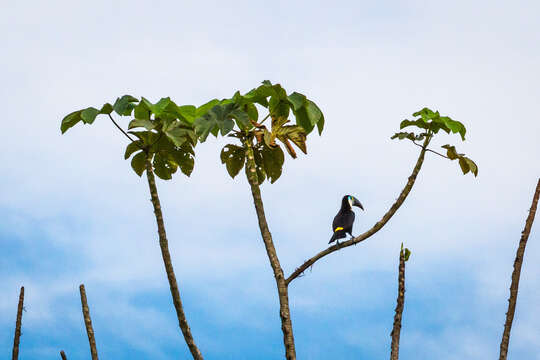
[(337, 235)]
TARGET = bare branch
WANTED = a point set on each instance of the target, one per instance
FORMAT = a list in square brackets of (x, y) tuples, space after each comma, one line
[(63, 355), (379, 225), (516, 274), (88, 323), (396, 329), (16, 340)]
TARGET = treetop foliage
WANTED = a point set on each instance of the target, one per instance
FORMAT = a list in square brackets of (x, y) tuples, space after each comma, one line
[(431, 122)]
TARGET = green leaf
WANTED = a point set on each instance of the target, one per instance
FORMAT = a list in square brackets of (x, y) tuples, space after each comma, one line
[(70, 120), (161, 106), (124, 105), (472, 166), (88, 115), (142, 111), (302, 119), (273, 159), (218, 118), (404, 135), (252, 112), (297, 100), (464, 165), (187, 113), (203, 109), (106, 109), (132, 147), (294, 133), (418, 123), (184, 158), (138, 163), (147, 124), (162, 168), (451, 152), (177, 135), (234, 158), (406, 254), (320, 125)]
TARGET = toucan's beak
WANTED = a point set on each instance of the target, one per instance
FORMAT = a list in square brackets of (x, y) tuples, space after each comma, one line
[(358, 204)]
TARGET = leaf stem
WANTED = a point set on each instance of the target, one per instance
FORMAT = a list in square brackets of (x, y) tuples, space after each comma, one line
[(119, 128), (433, 151)]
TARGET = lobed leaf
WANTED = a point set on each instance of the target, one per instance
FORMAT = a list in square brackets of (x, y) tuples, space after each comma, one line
[(234, 158)]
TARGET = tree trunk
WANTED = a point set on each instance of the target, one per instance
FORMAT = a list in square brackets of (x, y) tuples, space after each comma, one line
[(88, 323), (283, 292), (396, 330), (515, 275), (16, 340), (164, 245)]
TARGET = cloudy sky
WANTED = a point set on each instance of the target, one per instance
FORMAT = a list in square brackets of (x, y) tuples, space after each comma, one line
[(73, 212)]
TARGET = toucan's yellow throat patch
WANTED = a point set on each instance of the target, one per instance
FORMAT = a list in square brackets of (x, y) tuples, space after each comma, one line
[(338, 228)]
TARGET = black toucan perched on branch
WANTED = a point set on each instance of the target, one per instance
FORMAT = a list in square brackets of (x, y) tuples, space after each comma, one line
[(344, 219)]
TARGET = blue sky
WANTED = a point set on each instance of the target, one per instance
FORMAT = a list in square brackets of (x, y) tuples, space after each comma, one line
[(73, 211)]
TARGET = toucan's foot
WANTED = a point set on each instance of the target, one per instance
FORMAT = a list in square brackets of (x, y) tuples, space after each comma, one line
[(337, 242)]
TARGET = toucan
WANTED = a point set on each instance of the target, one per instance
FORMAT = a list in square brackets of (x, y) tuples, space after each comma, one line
[(343, 221)]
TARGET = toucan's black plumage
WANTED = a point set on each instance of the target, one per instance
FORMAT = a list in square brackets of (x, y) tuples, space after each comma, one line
[(343, 221)]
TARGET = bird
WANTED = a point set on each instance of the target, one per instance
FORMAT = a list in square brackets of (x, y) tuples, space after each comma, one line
[(343, 221)]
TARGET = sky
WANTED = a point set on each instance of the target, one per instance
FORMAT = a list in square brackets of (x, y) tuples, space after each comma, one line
[(73, 212)]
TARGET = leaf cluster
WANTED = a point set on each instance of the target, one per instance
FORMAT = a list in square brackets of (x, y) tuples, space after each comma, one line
[(164, 132), (465, 163), (430, 122), (243, 111)]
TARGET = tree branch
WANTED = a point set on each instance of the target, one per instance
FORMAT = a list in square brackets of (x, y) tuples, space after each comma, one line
[(63, 355), (283, 292), (88, 323), (379, 225), (516, 274), (16, 339), (166, 255)]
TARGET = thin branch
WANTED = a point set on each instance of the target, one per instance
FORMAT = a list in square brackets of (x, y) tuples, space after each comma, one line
[(396, 329), (16, 340), (88, 323), (122, 130), (516, 274), (379, 225), (433, 151), (63, 355)]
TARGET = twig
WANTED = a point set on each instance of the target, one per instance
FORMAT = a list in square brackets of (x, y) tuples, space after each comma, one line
[(88, 323), (433, 151), (122, 130), (379, 225), (63, 355), (516, 274), (16, 340)]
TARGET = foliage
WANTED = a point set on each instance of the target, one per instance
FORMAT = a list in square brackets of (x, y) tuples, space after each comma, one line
[(430, 123), (164, 132), (221, 116)]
